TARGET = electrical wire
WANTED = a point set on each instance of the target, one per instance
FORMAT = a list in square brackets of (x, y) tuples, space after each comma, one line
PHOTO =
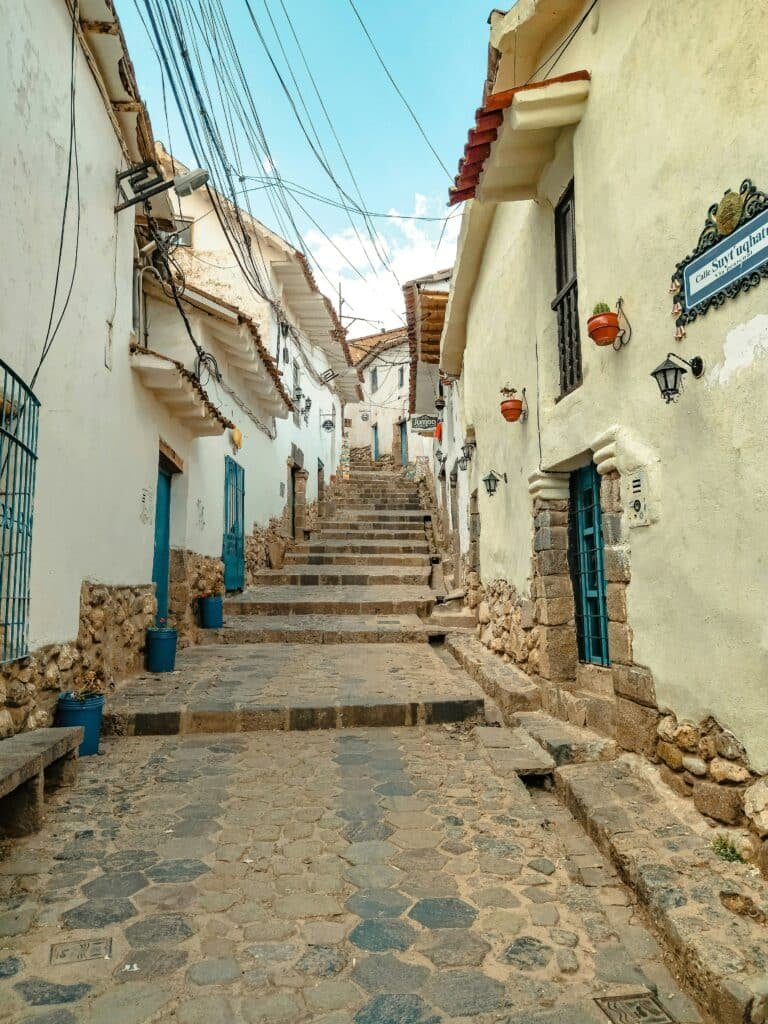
[(72, 161), (559, 50), (397, 89)]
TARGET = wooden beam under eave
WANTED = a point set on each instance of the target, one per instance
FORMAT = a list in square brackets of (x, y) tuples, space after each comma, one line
[(101, 28), (127, 106)]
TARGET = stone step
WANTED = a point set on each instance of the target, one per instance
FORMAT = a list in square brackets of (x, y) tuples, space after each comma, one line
[(271, 686), (334, 600), (513, 752), (300, 556), (319, 629), (568, 744), (462, 619), (366, 525), (360, 576), (374, 547), (349, 533), (680, 881), (371, 515), (582, 708), (510, 688)]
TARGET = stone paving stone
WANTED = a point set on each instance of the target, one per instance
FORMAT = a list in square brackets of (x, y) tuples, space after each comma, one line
[(527, 953), (280, 794), (372, 904), (397, 1009), (379, 936), (387, 973), (98, 913), (9, 966), (444, 912), (465, 993), (53, 1017), (37, 992)]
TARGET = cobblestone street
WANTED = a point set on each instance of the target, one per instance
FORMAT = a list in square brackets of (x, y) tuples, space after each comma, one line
[(382, 876)]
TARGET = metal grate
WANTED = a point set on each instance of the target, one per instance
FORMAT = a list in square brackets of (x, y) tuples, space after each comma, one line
[(585, 556), (566, 302), (19, 413), (639, 1009)]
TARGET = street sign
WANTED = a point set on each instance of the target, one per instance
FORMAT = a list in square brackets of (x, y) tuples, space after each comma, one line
[(423, 423)]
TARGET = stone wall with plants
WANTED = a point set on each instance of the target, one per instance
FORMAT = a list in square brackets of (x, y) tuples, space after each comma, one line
[(261, 541), (109, 645), (191, 576)]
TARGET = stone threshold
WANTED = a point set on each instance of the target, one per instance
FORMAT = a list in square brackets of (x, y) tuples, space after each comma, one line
[(710, 914), (185, 721)]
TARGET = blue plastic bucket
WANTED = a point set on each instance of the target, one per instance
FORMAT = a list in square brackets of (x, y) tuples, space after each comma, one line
[(86, 713), (211, 612), (161, 650)]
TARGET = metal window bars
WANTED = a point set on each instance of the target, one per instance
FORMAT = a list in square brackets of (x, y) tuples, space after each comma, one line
[(585, 556), (566, 305), (19, 416)]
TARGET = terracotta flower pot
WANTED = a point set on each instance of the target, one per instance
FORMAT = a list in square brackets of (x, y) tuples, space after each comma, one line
[(603, 329), (439, 431), (512, 409)]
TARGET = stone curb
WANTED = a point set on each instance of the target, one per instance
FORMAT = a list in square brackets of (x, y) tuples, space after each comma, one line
[(681, 883), (186, 721), (510, 688)]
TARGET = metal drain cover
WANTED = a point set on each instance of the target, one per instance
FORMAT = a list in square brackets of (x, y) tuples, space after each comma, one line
[(639, 1009)]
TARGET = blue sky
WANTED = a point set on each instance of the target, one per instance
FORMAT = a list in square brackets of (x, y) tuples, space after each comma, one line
[(436, 53)]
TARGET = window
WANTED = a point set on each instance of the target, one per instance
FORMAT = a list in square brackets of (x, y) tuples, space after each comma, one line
[(566, 303), (374, 379), (401, 377), (585, 558), (182, 233), (296, 394), (18, 465)]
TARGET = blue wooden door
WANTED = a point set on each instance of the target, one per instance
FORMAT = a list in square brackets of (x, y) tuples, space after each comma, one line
[(585, 550), (403, 444), (162, 557), (234, 520), (375, 445)]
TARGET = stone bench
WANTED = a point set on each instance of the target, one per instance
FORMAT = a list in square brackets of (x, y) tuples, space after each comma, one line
[(30, 764)]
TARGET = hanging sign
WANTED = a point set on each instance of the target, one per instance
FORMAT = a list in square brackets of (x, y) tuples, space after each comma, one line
[(731, 256), (423, 423)]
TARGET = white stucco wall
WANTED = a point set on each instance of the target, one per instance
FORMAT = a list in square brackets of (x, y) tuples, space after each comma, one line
[(385, 406), (668, 127)]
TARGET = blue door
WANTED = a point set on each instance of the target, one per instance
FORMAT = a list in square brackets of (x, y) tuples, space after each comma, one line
[(162, 558), (234, 518), (585, 553), (403, 444), (375, 444)]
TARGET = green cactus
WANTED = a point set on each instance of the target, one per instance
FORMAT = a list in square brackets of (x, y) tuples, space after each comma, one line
[(601, 307)]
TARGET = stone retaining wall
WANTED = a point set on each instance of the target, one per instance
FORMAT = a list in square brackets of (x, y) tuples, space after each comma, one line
[(191, 576), (109, 645)]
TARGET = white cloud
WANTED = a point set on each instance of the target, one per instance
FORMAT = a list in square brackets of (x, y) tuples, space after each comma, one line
[(409, 246)]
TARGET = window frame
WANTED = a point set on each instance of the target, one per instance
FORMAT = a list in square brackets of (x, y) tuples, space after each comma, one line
[(374, 379), (566, 302)]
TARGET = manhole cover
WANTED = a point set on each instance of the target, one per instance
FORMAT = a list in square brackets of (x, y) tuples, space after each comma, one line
[(75, 952), (640, 1009)]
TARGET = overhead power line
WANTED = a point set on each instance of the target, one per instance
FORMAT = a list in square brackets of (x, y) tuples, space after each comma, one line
[(397, 89)]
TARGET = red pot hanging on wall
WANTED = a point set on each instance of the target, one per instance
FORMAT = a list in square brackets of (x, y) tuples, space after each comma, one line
[(512, 409), (439, 431), (603, 328)]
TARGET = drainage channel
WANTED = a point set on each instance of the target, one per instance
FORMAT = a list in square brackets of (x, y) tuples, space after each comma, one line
[(638, 1009)]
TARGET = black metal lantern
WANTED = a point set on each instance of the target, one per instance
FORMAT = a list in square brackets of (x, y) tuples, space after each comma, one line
[(364, 416), (467, 449), (440, 402), (298, 394), (492, 482), (669, 374), (463, 462), (307, 404), (284, 328), (439, 454)]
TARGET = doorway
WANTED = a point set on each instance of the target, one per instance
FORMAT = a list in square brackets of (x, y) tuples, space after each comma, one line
[(585, 557), (455, 535), (375, 442), (403, 444), (234, 525), (161, 562)]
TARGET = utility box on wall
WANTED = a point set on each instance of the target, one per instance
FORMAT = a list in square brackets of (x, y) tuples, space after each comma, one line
[(637, 506)]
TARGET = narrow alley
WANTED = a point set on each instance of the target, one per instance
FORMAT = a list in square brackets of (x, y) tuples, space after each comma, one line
[(336, 835)]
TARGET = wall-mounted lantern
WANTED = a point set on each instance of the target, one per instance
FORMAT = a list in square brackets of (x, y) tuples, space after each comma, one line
[(439, 402), (284, 328), (492, 482), (467, 450), (364, 416), (669, 375), (307, 407), (463, 462), (439, 454), (298, 394), (442, 459)]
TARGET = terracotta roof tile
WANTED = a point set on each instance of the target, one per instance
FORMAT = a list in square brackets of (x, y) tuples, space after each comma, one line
[(488, 120)]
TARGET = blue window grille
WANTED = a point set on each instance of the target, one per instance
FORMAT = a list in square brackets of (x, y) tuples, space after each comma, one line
[(585, 555), (19, 414)]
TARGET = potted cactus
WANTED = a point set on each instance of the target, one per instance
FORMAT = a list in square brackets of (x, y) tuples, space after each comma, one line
[(511, 407), (603, 325)]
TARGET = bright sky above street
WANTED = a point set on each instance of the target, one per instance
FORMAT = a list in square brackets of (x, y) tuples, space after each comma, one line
[(436, 54)]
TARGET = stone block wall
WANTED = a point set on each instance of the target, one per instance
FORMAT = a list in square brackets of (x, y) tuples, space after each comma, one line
[(191, 576), (109, 645)]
